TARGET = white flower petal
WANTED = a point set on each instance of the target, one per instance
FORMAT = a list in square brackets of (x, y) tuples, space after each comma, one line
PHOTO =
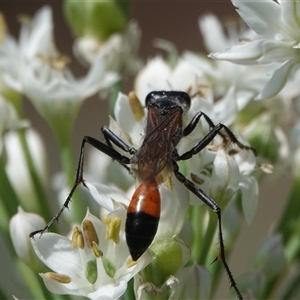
[(279, 79), (225, 173), (291, 17), (56, 287), (262, 51), (261, 16), (61, 288), (174, 202), (125, 272), (36, 38), (154, 76), (245, 159), (185, 77), (226, 108), (104, 195), (109, 291), (20, 226), (213, 42), (96, 79), (55, 252), (126, 120)]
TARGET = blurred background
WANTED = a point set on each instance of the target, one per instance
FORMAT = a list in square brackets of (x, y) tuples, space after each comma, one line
[(177, 22)]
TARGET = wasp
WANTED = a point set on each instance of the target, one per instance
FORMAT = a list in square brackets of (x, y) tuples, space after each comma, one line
[(163, 131)]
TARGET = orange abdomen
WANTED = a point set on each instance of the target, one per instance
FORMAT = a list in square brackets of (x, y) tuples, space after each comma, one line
[(142, 218)]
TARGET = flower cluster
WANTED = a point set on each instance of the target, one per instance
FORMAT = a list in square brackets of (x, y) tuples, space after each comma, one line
[(242, 90)]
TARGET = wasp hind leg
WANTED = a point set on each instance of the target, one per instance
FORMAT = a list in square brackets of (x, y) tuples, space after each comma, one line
[(214, 206)]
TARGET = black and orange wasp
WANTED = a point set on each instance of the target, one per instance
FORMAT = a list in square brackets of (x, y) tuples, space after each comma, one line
[(163, 131)]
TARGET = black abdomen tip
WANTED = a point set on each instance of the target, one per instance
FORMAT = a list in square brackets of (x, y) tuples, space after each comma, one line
[(140, 230)]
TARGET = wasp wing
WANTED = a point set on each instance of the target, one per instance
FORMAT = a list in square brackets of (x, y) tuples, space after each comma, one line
[(156, 149)]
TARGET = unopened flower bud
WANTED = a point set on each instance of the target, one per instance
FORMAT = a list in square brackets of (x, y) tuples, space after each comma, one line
[(99, 19), (167, 258), (20, 226), (265, 143)]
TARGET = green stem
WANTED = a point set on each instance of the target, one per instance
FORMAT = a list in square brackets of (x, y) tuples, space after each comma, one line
[(37, 290), (196, 215), (288, 227), (41, 204), (8, 195), (290, 215), (208, 239), (3, 296), (129, 294), (291, 288), (68, 167), (114, 90)]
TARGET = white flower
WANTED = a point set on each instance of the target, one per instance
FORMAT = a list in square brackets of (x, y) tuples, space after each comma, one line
[(222, 170), (188, 75), (158, 75), (93, 264), (20, 226), (120, 50), (245, 82), (277, 24), (34, 66)]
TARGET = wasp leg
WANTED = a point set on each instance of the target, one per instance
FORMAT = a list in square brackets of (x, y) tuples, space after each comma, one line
[(215, 129), (111, 137), (214, 206), (108, 150)]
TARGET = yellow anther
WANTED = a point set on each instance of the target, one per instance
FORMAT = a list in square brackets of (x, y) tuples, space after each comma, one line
[(90, 233), (61, 278), (77, 238), (97, 252), (113, 226), (58, 62), (61, 62), (136, 106), (130, 263)]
